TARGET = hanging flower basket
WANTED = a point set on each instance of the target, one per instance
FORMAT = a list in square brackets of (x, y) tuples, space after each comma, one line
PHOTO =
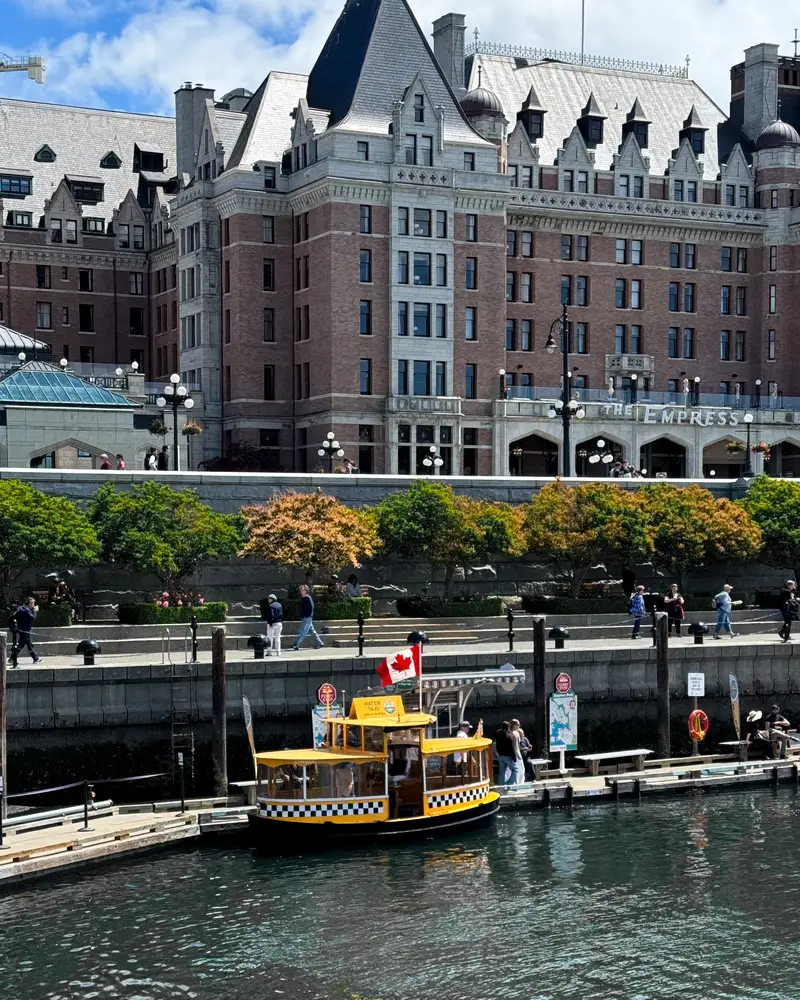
[(158, 427), (735, 447), (191, 429), (763, 448)]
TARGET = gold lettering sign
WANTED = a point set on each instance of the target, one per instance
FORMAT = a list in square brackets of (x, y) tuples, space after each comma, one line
[(387, 707)]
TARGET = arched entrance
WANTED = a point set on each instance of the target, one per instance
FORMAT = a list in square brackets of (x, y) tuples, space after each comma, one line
[(720, 463), (663, 459), (784, 461), (533, 456), (595, 456)]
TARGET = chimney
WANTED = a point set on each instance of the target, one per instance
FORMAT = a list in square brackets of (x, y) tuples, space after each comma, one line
[(448, 47), (760, 88), (190, 112)]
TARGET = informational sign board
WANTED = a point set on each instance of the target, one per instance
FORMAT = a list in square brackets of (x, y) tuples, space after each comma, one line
[(563, 683), (319, 713), (563, 722), (696, 685), (326, 693)]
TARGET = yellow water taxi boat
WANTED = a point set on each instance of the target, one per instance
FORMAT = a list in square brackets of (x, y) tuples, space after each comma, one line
[(376, 775)]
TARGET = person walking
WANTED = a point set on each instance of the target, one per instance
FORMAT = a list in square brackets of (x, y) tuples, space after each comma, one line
[(724, 604), (504, 751), (151, 461), (790, 609), (104, 462), (307, 621), (120, 463), (673, 604), (24, 617), (636, 609), (274, 625), (163, 459)]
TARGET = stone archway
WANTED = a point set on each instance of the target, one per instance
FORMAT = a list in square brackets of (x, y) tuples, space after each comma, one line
[(784, 460), (533, 455), (663, 458), (70, 453), (585, 467), (719, 464)]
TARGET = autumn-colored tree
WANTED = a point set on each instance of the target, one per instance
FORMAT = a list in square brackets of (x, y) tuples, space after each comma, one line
[(774, 505), (500, 527), (576, 528), (309, 531), (692, 530)]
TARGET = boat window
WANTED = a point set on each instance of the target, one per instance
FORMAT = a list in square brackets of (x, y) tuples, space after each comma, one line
[(263, 780), (373, 739), (453, 770), (338, 735), (346, 780), (286, 782), (405, 736), (354, 737)]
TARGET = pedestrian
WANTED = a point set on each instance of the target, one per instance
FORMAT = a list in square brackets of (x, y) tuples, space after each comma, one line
[(519, 764), (120, 463), (636, 609), (352, 586), (24, 617), (723, 605), (673, 603), (349, 466), (526, 747), (776, 731), (462, 734), (104, 462), (151, 461), (163, 459), (307, 620), (274, 621), (790, 609), (504, 751)]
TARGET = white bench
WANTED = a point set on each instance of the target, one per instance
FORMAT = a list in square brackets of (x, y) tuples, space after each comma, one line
[(594, 760)]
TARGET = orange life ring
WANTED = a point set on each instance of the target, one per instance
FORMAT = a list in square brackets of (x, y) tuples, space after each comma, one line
[(698, 725)]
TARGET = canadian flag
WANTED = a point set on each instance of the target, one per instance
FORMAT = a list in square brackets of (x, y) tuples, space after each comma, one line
[(401, 666)]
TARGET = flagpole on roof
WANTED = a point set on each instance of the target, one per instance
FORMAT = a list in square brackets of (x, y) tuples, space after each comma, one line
[(583, 28), (421, 648)]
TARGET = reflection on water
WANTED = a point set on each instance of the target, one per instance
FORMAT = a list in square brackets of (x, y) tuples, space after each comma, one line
[(630, 902)]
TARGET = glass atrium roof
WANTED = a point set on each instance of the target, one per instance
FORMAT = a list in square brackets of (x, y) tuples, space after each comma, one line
[(41, 384)]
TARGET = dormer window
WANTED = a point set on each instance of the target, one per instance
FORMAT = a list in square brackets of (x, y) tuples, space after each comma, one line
[(694, 130), (269, 177), (15, 186), (595, 132), (93, 225), (536, 127), (532, 116), (591, 122), (20, 220), (111, 161), (86, 190), (640, 131), (697, 141), (638, 124), (44, 155), (148, 158), (419, 109)]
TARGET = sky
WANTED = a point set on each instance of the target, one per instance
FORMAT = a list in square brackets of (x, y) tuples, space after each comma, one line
[(133, 54)]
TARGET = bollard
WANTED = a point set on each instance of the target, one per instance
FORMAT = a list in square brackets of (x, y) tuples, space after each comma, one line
[(258, 643), (510, 617), (655, 634), (89, 648), (193, 627), (360, 633), (559, 634), (14, 642), (698, 630), (417, 637), (88, 794)]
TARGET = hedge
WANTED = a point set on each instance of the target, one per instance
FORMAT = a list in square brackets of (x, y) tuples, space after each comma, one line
[(339, 609), (436, 607), (149, 614), (54, 616)]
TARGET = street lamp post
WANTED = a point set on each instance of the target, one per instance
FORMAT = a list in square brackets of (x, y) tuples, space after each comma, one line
[(330, 449), (757, 397), (432, 461), (696, 392), (748, 462), (634, 387), (568, 408), (175, 395), (602, 454)]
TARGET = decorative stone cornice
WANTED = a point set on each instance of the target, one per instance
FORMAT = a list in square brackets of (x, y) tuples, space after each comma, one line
[(248, 202), (58, 255)]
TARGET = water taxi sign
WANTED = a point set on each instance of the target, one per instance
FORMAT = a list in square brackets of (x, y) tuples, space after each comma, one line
[(370, 708)]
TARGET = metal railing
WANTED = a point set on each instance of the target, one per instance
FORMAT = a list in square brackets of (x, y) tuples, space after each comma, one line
[(576, 58), (746, 401)]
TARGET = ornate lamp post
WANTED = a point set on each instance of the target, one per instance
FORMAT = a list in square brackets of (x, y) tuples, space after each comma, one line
[(175, 395), (748, 462), (432, 461), (330, 449), (566, 407)]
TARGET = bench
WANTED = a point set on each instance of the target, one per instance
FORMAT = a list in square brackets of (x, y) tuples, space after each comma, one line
[(594, 760), (536, 763), (742, 748), (664, 763)]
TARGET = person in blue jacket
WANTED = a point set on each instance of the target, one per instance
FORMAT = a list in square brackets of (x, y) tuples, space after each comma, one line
[(636, 610), (307, 620), (25, 616)]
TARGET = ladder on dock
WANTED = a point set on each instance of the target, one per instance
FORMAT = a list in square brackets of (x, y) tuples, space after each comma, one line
[(182, 718)]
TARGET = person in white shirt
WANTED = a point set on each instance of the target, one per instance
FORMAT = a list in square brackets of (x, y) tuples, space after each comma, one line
[(463, 733)]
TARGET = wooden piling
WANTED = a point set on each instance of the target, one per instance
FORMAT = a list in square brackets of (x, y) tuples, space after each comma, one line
[(540, 733), (219, 711), (3, 747), (662, 680)]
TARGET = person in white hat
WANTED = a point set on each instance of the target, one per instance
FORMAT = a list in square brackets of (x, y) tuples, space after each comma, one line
[(274, 620)]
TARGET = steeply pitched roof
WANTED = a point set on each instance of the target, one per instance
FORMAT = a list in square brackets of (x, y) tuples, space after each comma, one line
[(266, 130), (36, 383), (563, 87), (80, 138)]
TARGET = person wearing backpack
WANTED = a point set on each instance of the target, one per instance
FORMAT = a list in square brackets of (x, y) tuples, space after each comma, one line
[(636, 609), (790, 609)]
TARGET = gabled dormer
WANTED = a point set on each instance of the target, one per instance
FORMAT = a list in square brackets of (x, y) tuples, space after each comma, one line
[(522, 158), (45, 155), (685, 174), (532, 116), (631, 170), (592, 123), (637, 124), (304, 135), (129, 224), (110, 161), (418, 125), (695, 131), (575, 165), (62, 216), (736, 177)]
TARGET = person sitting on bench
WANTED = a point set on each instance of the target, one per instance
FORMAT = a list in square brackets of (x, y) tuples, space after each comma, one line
[(754, 737), (776, 731)]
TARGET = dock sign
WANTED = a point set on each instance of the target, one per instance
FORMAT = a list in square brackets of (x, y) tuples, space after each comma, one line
[(563, 683), (696, 685), (563, 722), (326, 694)]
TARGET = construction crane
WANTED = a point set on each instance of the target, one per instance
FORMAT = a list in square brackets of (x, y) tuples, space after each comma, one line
[(32, 65)]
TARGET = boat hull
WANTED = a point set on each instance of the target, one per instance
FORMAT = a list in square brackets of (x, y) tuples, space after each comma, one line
[(286, 835)]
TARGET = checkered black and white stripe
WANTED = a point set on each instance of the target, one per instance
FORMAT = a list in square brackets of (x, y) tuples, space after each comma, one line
[(456, 797), (313, 810)]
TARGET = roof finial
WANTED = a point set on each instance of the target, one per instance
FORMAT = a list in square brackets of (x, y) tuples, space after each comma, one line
[(480, 71), (477, 34), (795, 42), (779, 110), (688, 61)]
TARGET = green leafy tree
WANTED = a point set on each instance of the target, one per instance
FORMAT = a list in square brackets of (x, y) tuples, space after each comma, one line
[(692, 530), (40, 531), (169, 533), (577, 528), (774, 505)]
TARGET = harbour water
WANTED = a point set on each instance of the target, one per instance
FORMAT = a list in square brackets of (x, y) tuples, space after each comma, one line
[(694, 896)]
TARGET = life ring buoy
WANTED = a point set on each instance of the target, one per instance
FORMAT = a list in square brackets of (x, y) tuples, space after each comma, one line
[(698, 725)]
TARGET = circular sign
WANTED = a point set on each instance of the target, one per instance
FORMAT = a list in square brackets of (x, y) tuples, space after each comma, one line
[(326, 694), (563, 683), (388, 707)]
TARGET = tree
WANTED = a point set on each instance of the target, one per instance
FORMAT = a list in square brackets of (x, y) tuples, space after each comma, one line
[(692, 530), (169, 533), (500, 530), (311, 531), (576, 528), (774, 505), (39, 531)]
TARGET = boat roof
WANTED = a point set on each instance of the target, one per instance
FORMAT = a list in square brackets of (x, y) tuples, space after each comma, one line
[(455, 745), (386, 712), (275, 758)]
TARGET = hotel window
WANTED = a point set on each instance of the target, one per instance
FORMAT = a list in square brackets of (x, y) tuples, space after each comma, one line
[(727, 259), (744, 197), (725, 300), (402, 222), (513, 175), (472, 228), (87, 355), (511, 335), (739, 346), (426, 150), (622, 252), (362, 151), (526, 287), (724, 388), (620, 339), (773, 198), (402, 267), (688, 297), (269, 326), (674, 297), (624, 186), (55, 233), (365, 318), (72, 230), (471, 273), (621, 294), (674, 255), (569, 181), (637, 254), (730, 195), (441, 270), (672, 342), (422, 320), (741, 261), (419, 109), (411, 148), (138, 238), (402, 381), (566, 248), (441, 378), (441, 320), (471, 323), (365, 377), (635, 344), (421, 384), (441, 224), (64, 315), (269, 274), (270, 176), (741, 300), (691, 190), (581, 344), (637, 294), (771, 346), (44, 319), (527, 177), (773, 299), (85, 280), (580, 381), (583, 248), (638, 186), (469, 161), (773, 258), (471, 382), (688, 343), (583, 182), (402, 319), (511, 243), (267, 229), (566, 290), (42, 275), (677, 191), (582, 291), (725, 345), (365, 266), (365, 218), (422, 222), (422, 268), (136, 283), (526, 335), (690, 256)]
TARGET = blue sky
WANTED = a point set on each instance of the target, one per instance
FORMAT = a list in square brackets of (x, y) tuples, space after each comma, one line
[(133, 54)]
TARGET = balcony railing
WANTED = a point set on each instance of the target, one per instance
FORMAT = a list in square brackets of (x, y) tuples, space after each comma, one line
[(746, 401)]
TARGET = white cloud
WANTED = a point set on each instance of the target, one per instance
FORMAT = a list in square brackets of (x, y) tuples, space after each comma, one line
[(230, 43)]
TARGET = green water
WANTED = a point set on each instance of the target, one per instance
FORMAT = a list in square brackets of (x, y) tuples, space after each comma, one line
[(694, 897)]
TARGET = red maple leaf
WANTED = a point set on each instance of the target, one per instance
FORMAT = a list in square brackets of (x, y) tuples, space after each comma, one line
[(402, 663)]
